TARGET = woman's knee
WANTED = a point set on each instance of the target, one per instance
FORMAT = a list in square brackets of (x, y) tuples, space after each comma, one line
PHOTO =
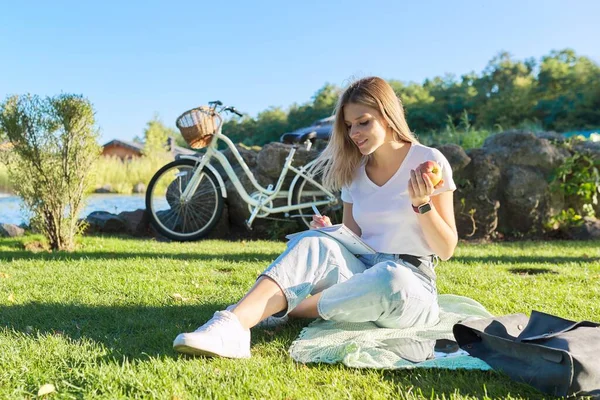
[(315, 239), (392, 279)]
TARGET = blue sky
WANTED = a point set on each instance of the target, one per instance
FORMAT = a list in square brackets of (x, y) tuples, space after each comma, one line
[(133, 59)]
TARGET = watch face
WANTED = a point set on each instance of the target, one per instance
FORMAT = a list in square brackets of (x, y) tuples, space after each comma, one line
[(424, 208)]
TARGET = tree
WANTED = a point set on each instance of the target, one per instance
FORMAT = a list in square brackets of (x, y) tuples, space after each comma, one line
[(321, 105), (242, 130), (156, 137), (508, 93), (272, 123), (505, 92), (55, 145), (418, 106), (568, 91)]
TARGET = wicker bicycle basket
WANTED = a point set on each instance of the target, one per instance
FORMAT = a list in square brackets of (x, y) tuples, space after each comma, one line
[(198, 126)]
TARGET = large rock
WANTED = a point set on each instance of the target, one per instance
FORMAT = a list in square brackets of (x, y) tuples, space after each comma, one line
[(476, 200), (139, 188), (552, 137), (588, 148), (589, 230), (10, 230), (222, 229), (136, 222), (524, 148), (238, 208), (269, 164), (104, 189), (524, 200), (248, 155), (105, 222), (456, 156), (272, 157)]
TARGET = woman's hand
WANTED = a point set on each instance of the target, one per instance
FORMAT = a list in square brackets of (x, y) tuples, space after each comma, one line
[(319, 222), (420, 188)]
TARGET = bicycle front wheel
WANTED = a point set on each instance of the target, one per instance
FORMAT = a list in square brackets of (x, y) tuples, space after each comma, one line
[(179, 219)]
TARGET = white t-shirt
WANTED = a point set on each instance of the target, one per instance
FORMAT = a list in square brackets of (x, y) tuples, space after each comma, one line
[(384, 213)]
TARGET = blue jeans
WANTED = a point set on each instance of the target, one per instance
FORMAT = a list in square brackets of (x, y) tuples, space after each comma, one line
[(381, 288)]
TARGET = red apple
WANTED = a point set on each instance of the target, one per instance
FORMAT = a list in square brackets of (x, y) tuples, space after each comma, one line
[(433, 170)]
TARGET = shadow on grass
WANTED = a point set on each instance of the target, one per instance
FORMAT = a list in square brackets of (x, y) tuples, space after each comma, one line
[(135, 332), (532, 271), (97, 255), (524, 259)]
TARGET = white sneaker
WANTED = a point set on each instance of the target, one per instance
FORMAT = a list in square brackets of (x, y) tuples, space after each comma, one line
[(222, 335)]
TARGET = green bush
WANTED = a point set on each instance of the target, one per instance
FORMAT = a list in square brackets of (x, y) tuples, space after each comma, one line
[(55, 145), (578, 180)]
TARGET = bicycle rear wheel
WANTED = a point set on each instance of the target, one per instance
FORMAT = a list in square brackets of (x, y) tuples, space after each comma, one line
[(307, 192), (183, 220)]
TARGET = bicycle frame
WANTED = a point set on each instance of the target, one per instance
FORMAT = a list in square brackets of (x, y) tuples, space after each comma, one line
[(261, 204)]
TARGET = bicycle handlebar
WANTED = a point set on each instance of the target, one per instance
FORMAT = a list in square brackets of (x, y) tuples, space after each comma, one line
[(219, 103), (233, 110)]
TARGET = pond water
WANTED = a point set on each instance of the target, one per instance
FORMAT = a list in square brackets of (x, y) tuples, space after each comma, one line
[(11, 213)]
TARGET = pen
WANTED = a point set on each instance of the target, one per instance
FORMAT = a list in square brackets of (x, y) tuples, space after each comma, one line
[(316, 210)]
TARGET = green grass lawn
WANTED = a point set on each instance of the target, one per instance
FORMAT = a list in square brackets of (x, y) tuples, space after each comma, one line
[(99, 322)]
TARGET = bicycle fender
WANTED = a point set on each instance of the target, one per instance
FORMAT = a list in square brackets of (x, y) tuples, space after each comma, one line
[(214, 171)]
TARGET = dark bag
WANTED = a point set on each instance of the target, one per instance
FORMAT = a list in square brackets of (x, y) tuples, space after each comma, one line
[(552, 354)]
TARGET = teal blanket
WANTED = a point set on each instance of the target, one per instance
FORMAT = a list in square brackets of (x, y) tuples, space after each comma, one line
[(364, 345)]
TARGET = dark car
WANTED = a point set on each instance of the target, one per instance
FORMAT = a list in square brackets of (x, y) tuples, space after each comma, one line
[(319, 130)]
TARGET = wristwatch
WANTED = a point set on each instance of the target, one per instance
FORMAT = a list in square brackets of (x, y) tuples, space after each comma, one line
[(423, 208)]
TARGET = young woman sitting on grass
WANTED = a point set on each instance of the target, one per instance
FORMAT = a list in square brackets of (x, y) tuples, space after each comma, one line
[(372, 156)]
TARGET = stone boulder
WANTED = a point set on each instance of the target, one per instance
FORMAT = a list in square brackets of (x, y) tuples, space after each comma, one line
[(524, 200), (476, 200), (267, 169), (456, 156), (237, 207), (222, 229), (552, 137), (589, 148), (136, 222), (10, 230), (139, 188), (271, 158), (526, 149), (247, 154), (589, 230), (104, 189), (105, 222)]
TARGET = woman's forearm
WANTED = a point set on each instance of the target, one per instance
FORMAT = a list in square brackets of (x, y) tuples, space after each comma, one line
[(439, 235)]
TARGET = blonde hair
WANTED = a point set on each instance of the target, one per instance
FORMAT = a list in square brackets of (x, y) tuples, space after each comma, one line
[(340, 159)]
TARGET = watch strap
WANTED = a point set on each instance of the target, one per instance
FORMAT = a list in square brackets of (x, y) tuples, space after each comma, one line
[(423, 208)]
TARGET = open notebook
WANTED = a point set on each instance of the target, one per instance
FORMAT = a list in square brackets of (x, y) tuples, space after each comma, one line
[(345, 236)]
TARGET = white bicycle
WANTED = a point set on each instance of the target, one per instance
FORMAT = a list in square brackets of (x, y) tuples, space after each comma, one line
[(185, 197)]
